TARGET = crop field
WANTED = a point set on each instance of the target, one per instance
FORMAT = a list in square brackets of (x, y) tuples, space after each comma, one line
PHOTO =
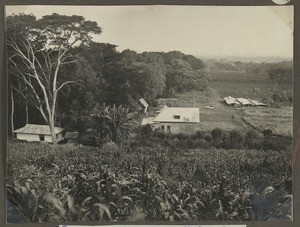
[(79, 183), (280, 121), (260, 91)]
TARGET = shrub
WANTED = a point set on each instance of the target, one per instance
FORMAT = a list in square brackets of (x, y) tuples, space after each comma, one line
[(208, 137), (202, 143), (159, 133), (182, 136), (271, 143), (236, 139), (110, 147), (267, 132), (217, 134), (225, 143), (219, 138), (200, 134), (253, 140), (146, 130)]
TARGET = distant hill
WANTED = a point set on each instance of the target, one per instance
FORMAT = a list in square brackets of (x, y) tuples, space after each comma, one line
[(258, 59)]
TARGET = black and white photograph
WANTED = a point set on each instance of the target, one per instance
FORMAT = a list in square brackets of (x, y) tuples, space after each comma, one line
[(146, 113)]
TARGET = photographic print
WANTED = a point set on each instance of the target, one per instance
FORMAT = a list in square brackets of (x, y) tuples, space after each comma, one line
[(149, 113)]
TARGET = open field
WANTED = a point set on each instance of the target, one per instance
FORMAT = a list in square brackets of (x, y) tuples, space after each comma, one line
[(260, 91), (80, 183), (220, 116), (280, 121)]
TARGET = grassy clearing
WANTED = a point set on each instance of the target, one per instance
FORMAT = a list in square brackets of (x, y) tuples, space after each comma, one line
[(280, 121), (220, 116), (199, 99)]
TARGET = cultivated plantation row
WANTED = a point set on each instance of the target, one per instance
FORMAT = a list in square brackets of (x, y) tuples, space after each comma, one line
[(80, 183)]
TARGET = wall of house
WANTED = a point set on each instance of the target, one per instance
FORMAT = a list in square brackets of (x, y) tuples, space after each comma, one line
[(178, 127), (33, 137), (48, 138), (28, 137)]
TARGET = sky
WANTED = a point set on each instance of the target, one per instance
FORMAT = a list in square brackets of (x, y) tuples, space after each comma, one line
[(198, 30)]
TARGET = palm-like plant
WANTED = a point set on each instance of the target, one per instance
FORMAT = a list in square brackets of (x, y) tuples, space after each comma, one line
[(113, 123)]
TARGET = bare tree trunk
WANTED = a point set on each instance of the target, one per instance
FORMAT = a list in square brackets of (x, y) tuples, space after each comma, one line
[(26, 111), (26, 108), (52, 130), (12, 111)]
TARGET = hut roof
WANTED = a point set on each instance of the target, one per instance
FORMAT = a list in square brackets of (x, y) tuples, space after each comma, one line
[(37, 129)]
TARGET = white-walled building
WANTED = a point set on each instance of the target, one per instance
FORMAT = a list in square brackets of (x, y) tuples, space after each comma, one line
[(32, 132), (175, 120)]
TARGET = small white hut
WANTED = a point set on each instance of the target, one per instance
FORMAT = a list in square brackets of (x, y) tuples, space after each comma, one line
[(42, 133)]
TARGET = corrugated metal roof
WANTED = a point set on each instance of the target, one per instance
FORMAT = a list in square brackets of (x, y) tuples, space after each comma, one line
[(178, 114), (231, 100), (257, 103), (37, 129), (244, 101)]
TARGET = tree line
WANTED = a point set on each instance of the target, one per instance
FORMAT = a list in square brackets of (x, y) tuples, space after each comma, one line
[(249, 72), (58, 76)]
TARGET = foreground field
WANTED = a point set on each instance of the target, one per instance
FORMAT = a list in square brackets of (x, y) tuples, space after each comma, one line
[(78, 183)]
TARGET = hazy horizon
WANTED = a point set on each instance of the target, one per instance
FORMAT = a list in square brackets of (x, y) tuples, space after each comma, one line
[(248, 31)]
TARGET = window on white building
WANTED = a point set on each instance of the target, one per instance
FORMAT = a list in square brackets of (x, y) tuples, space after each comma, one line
[(176, 116)]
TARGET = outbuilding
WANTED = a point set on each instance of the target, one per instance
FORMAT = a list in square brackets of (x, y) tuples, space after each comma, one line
[(244, 102), (257, 103), (143, 106), (41, 133), (231, 101)]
